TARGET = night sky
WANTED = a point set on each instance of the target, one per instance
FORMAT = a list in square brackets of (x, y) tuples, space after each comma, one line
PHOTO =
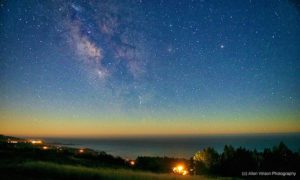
[(93, 68)]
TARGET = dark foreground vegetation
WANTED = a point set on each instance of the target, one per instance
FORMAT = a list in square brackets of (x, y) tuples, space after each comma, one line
[(25, 159), (233, 162)]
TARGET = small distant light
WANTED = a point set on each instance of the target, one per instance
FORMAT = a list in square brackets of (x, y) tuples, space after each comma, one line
[(45, 147), (81, 150), (36, 141), (132, 163), (222, 46)]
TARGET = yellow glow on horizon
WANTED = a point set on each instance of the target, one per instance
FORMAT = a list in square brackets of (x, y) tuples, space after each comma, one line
[(25, 125)]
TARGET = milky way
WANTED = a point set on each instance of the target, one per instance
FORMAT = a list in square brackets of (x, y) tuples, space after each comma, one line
[(193, 66)]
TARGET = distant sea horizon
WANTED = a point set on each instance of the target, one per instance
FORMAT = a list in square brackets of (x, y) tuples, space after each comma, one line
[(177, 146)]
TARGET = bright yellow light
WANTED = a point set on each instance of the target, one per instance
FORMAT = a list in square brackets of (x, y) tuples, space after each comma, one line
[(45, 147), (36, 141), (81, 150), (180, 169)]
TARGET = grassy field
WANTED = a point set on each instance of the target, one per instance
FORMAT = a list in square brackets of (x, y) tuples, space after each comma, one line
[(49, 170)]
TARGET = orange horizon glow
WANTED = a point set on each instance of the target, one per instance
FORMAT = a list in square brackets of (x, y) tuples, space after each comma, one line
[(118, 131), (59, 126), (75, 135)]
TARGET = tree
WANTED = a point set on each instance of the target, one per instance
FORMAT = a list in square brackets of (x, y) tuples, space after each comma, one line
[(206, 161), (280, 158), (227, 161), (228, 152)]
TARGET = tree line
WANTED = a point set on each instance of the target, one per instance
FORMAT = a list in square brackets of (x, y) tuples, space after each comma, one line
[(232, 162)]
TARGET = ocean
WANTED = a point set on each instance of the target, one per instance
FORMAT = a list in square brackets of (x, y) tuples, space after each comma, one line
[(176, 146)]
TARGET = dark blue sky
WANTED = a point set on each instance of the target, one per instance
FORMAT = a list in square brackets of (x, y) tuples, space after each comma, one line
[(156, 66)]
